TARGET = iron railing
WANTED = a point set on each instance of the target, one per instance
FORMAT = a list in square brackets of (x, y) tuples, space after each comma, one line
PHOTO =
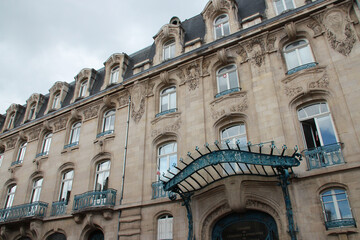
[(324, 156), (158, 190), (71, 145), (166, 112), (58, 208), (95, 199), (231, 90), (41, 154), (35, 209), (104, 133), (301, 67), (346, 222), (16, 162)]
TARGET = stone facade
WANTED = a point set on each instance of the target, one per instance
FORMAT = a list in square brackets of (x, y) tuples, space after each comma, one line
[(267, 100)]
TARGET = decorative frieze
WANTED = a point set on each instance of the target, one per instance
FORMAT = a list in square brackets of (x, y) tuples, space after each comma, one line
[(34, 134), (10, 143), (91, 112), (168, 128), (190, 74), (123, 99), (236, 103), (60, 124), (137, 92)]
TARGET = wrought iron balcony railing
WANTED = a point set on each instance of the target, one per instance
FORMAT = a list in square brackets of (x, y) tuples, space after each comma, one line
[(346, 222), (104, 133), (158, 190), (301, 67), (58, 208), (324, 156), (35, 209), (231, 90), (16, 162), (71, 145), (166, 112), (94, 199), (41, 154)]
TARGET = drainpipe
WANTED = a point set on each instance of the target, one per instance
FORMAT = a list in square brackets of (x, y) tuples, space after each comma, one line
[(123, 173)]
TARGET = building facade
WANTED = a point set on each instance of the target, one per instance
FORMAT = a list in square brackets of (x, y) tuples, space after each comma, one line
[(113, 155)]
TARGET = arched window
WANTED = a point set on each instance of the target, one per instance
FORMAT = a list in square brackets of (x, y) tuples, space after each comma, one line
[(169, 50), (227, 80), (231, 135), (96, 235), (165, 227), (32, 111), (108, 121), (56, 101), (102, 176), (46, 144), (283, 5), (36, 190), (66, 186), (10, 196), (298, 54), (21, 153), (83, 88), (221, 26), (56, 236), (336, 208), (11, 121), (114, 75), (167, 159), (168, 99), (75, 133)]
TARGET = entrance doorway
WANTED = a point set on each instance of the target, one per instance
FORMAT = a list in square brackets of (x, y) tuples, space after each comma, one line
[(252, 225)]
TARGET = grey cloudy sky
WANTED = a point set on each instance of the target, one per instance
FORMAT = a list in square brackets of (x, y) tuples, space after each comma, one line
[(44, 41)]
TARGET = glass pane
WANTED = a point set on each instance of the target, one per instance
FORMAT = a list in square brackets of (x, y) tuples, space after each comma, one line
[(305, 55), (172, 100), (173, 160), (289, 4), (327, 131), (233, 79), (327, 199), (312, 110), (279, 6), (226, 28), (172, 50), (222, 81), (330, 213), (341, 196), (164, 103), (291, 60), (344, 209), (301, 114), (218, 32)]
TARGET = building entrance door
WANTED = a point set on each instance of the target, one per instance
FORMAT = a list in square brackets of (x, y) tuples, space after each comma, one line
[(252, 225)]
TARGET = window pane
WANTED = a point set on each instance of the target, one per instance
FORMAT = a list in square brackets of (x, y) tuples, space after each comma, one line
[(289, 4), (330, 213), (164, 103), (173, 161), (344, 209), (222, 81), (305, 55), (226, 29), (326, 130), (312, 110), (291, 60), (279, 6), (218, 32), (233, 79), (172, 100)]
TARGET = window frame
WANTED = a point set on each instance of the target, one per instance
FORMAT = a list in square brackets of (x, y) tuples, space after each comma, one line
[(171, 48), (167, 156), (11, 120), (286, 8), (32, 110), (114, 74), (222, 24), (83, 88), (75, 133), (103, 172), (228, 80), (164, 94), (299, 60), (64, 186), (45, 147), (56, 101), (36, 190), (10, 195), (163, 222), (108, 123), (21, 153)]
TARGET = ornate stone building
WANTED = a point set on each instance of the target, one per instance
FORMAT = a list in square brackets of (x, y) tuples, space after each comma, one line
[(113, 155)]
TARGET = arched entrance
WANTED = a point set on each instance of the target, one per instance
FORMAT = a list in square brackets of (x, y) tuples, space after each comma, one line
[(252, 225)]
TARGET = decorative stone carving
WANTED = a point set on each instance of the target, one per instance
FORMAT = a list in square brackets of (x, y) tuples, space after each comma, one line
[(254, 204), (315, 26), (22, 136), (222, 56), (34, 134), (243, 54), (46, 125), (169, 128), (290, 29), (290, 92), (205, 68), (91, 112), (35, 228), (137, 92), (339, 31), (123, 99), (190, 74), (10, 144), (107, 101), (75, 114), (217, 6), (321, 83), (256, 50), (270, 44), (60, 124), (150, 89), (220, 211), (237, 104), (164, 77), (4, 233)]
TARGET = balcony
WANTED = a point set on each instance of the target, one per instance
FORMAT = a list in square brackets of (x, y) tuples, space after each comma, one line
[(16, 163), (346, 222), (94, 199), (58, 208), (30, 210), (228, 91), (105, 133), (41, 154), (166, 112), (324, 156), (158, 190), (301, 67), (71, 145)]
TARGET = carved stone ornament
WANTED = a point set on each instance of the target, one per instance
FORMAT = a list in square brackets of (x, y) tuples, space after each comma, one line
[(46, 125), (270, 44), (34, 134), (316, 27), (107, 101), (222, 56), (22, 136), (256, 50), (10, 143), (91, 112), (257, 205), (321, 83), (164, 77), (4, 233), (290, 29), (150, 89), (190, 75), (231, 104), (35, 228), (290, 92), (137, 92), (205, 68), (216, 6), (123, 99), (60, 124), (243, 54), (209, 221), (168, 128), (339, 31), (75, 114)]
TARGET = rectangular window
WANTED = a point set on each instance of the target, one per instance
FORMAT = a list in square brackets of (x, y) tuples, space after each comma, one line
[(66, 186), (56, 101), (36, 190)]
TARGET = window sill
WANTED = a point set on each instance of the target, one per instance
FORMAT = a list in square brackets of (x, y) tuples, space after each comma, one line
[(340, 224), (228, 91), (166, 112), (105, 133), (301, 67), (71, 147), (42, 154), (16, 164)]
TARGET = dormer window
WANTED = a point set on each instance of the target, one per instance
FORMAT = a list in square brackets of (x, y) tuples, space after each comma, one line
[(83, 88), (169, 50), (221, 26), (283, 5), (11, 121), (114, 75), (32, 111), (56, 101)]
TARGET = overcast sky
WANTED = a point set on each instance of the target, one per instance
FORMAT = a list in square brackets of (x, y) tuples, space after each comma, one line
[(44, 41)]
